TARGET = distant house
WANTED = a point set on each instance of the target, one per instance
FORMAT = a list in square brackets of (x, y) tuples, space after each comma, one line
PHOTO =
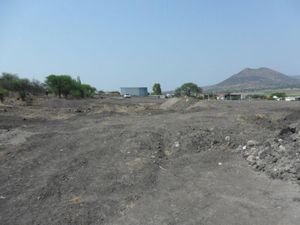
[(220, 96), (234, 96), (134, 91), (231, 96), (288, 99), (296, 98)]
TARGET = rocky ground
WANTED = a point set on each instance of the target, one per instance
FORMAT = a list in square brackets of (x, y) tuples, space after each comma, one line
[(149, 161), (278, 156)]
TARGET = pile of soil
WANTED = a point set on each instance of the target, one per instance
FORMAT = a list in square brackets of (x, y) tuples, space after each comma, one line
[(178, 104), (279, 157)]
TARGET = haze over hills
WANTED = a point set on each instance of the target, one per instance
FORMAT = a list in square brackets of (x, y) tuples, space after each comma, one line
[(297, 77), (255, 79)]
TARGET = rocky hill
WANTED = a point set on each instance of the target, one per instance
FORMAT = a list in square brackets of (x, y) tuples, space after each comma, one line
[(256, 79)]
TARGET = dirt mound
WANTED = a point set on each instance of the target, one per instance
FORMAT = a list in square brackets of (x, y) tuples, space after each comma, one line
[(169, 103), (279, 157), (178, 104)]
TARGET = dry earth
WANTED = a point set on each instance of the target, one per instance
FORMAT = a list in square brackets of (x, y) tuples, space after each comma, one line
[(144, 161)]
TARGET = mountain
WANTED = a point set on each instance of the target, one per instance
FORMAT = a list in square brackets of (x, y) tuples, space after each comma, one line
[(297, 77), (255, 79)]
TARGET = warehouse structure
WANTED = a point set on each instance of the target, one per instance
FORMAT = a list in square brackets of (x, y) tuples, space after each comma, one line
[(134, 91)]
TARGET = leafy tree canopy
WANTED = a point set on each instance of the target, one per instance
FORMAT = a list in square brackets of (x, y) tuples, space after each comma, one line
[(65, 85), (156, 89), (188, 89)]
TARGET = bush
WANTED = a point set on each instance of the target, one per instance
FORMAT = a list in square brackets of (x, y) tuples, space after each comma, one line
[(88, 90), (3, 93), (11, 82), (22, 86)]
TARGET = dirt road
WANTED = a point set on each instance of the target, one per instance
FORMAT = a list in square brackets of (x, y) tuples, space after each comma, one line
[(141, 161)]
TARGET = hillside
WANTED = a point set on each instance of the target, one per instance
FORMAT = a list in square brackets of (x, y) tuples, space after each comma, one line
[(297, 77), (256, 79)]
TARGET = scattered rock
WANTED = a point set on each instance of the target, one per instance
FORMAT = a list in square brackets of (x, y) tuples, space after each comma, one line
[(227, 138), (281, 148), (293, 127), (295, 137), (252, 143), (239, 148), (279, 157), (284, 131), (2, 197), (251, 159)]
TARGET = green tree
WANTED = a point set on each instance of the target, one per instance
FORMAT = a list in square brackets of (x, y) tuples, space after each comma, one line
[(80, 90), (87, 91), (60, 84), (36, 87), (188, 89), (156, 89), (64, 85), (8, 81)]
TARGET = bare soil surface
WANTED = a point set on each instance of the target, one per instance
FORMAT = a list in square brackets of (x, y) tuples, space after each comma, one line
[(144, 161)]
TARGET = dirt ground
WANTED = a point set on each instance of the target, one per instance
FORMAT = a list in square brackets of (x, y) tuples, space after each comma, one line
[(144, 161)]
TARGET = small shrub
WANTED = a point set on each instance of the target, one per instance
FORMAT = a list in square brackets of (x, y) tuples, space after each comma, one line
[(3, 93)]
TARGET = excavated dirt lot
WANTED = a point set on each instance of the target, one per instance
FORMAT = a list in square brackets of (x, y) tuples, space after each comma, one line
[(144, 161)]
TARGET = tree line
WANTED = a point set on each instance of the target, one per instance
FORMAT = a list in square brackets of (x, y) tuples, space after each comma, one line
[(22, 86), (187, 89), (66, 86), (59, 85)]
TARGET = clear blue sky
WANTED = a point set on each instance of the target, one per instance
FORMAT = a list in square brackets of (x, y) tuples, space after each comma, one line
[(117, 43)]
